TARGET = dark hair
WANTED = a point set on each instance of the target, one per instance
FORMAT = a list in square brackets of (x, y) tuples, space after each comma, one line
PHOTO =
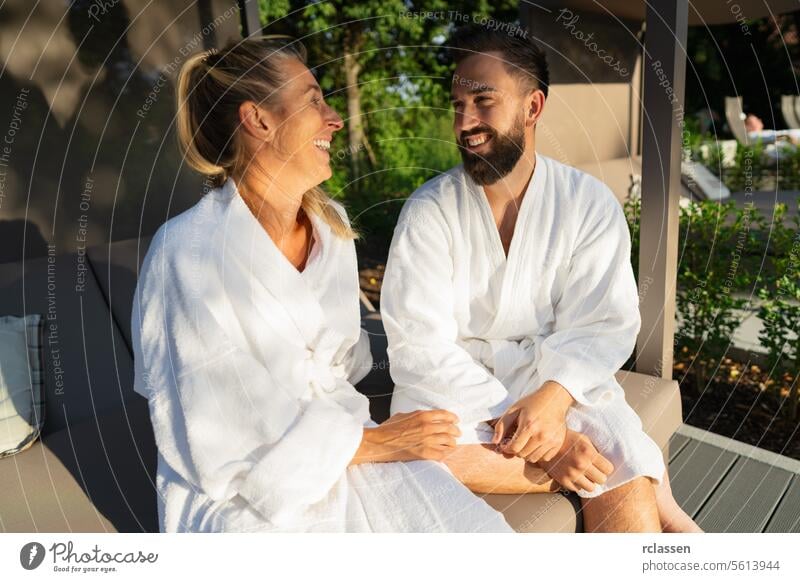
[(522, 58)]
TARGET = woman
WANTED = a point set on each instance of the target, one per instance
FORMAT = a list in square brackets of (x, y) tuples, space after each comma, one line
[(246, 329)]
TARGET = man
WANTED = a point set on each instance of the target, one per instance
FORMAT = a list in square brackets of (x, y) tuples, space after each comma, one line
[(509, 299)]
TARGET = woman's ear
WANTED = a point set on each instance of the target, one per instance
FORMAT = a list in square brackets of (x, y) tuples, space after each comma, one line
[(255, 121)]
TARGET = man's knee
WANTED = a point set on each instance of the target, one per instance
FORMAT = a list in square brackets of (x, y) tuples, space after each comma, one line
[(628, 508)]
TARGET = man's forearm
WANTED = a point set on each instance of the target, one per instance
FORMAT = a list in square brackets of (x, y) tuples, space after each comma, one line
[(483, 470)]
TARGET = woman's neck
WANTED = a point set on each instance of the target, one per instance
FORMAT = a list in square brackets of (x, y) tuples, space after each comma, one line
[(277, 210)]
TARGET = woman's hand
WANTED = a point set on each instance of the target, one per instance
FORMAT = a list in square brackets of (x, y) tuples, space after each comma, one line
[(578, 464), (535, 426), (410, 436)]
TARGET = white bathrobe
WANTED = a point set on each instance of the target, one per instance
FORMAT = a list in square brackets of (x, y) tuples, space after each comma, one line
[(248, 366), (472, 331)]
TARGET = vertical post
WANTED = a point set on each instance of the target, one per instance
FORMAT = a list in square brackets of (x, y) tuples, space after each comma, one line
[(635, 133), (664, 69), (251, 23)]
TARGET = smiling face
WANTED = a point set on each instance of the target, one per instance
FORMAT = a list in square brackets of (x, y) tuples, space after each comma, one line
[(489, 123), (297, 130)]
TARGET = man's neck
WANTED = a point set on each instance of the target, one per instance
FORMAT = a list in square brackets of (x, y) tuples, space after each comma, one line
[(512, 187), (505, 198)]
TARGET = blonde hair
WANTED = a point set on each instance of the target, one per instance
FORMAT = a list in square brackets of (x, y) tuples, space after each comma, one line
[(211, 87)]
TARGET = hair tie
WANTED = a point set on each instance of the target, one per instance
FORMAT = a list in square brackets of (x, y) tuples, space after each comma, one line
[(212, 57)]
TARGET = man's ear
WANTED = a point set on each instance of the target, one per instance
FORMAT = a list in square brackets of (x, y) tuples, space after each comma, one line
[(255, 121), (534, 105)]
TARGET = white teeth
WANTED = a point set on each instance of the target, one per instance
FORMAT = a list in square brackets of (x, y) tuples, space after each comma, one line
[(322, 144), (476, 141)]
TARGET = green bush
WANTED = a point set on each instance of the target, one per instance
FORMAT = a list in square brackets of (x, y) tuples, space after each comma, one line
[(787, 171), (749, 169), (719, 254), (780, 308), (412, 145), (715, 260)]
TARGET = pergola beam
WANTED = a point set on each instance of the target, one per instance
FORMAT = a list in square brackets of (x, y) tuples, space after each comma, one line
[(251, 22), (664, 69)]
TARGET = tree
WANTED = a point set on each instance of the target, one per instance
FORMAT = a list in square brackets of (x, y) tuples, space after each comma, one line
[(383, 65)]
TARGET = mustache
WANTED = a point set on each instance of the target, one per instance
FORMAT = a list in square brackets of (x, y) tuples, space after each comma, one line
[(478, 130)]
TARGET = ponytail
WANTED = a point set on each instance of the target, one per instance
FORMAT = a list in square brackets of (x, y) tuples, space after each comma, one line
[(211, 87)]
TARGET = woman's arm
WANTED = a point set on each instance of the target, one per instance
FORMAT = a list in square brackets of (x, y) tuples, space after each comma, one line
[(421, 435)]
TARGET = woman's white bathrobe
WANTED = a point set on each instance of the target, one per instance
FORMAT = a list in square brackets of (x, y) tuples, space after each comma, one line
[(248, 366), (472, 331)]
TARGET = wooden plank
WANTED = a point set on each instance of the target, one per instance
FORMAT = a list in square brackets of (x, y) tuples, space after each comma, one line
[(676, 444), (696, 472), (786, 517), (745, 499)]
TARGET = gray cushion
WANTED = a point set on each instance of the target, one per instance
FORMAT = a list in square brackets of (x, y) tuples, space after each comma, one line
[(88, 368), (41, 495), (377, 385), (95, 476), (117, 266), (539, 512), (656, 401)]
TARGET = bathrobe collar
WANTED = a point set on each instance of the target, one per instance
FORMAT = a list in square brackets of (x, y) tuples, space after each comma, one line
[(248, 243), (521, 247)]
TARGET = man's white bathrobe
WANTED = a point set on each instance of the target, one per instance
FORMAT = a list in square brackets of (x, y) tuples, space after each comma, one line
[(248, 366), (471, 330)]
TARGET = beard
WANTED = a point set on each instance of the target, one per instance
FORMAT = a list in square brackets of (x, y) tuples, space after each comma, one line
[(505, 151)]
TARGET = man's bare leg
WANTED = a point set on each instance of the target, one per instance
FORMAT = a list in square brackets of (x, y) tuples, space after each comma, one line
[(673, 518), (483, 470), (628, 508)]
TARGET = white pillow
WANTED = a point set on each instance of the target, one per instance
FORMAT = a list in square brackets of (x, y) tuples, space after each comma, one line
[(21, 379)]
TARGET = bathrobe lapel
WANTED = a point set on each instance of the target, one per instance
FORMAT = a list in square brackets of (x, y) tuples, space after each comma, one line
[(315, 335), (524, 254)]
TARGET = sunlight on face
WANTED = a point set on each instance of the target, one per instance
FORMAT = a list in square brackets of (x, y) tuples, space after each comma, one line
[(489, 117), (305, 128)]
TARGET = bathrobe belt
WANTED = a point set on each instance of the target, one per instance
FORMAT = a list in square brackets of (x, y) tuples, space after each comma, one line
[(324, 374), (502, 356)]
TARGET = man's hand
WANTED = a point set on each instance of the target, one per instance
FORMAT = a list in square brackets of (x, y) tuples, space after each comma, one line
[(578, 465), (535, 426)]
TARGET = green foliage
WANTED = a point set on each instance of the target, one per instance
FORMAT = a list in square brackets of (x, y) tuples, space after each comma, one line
[(723, 252), (780, 308), (633, 212), (402, 91), (712, 158), (752, 169), (719, 255), (787, 170), (417, 145), (749, 169), (718, 241)]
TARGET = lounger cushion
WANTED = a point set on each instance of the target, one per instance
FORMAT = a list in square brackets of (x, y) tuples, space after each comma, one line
[(117, 266), (88, 368), (95, 476)]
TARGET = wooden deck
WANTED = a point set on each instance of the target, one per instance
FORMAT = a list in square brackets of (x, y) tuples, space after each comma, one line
[(728, 486)]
